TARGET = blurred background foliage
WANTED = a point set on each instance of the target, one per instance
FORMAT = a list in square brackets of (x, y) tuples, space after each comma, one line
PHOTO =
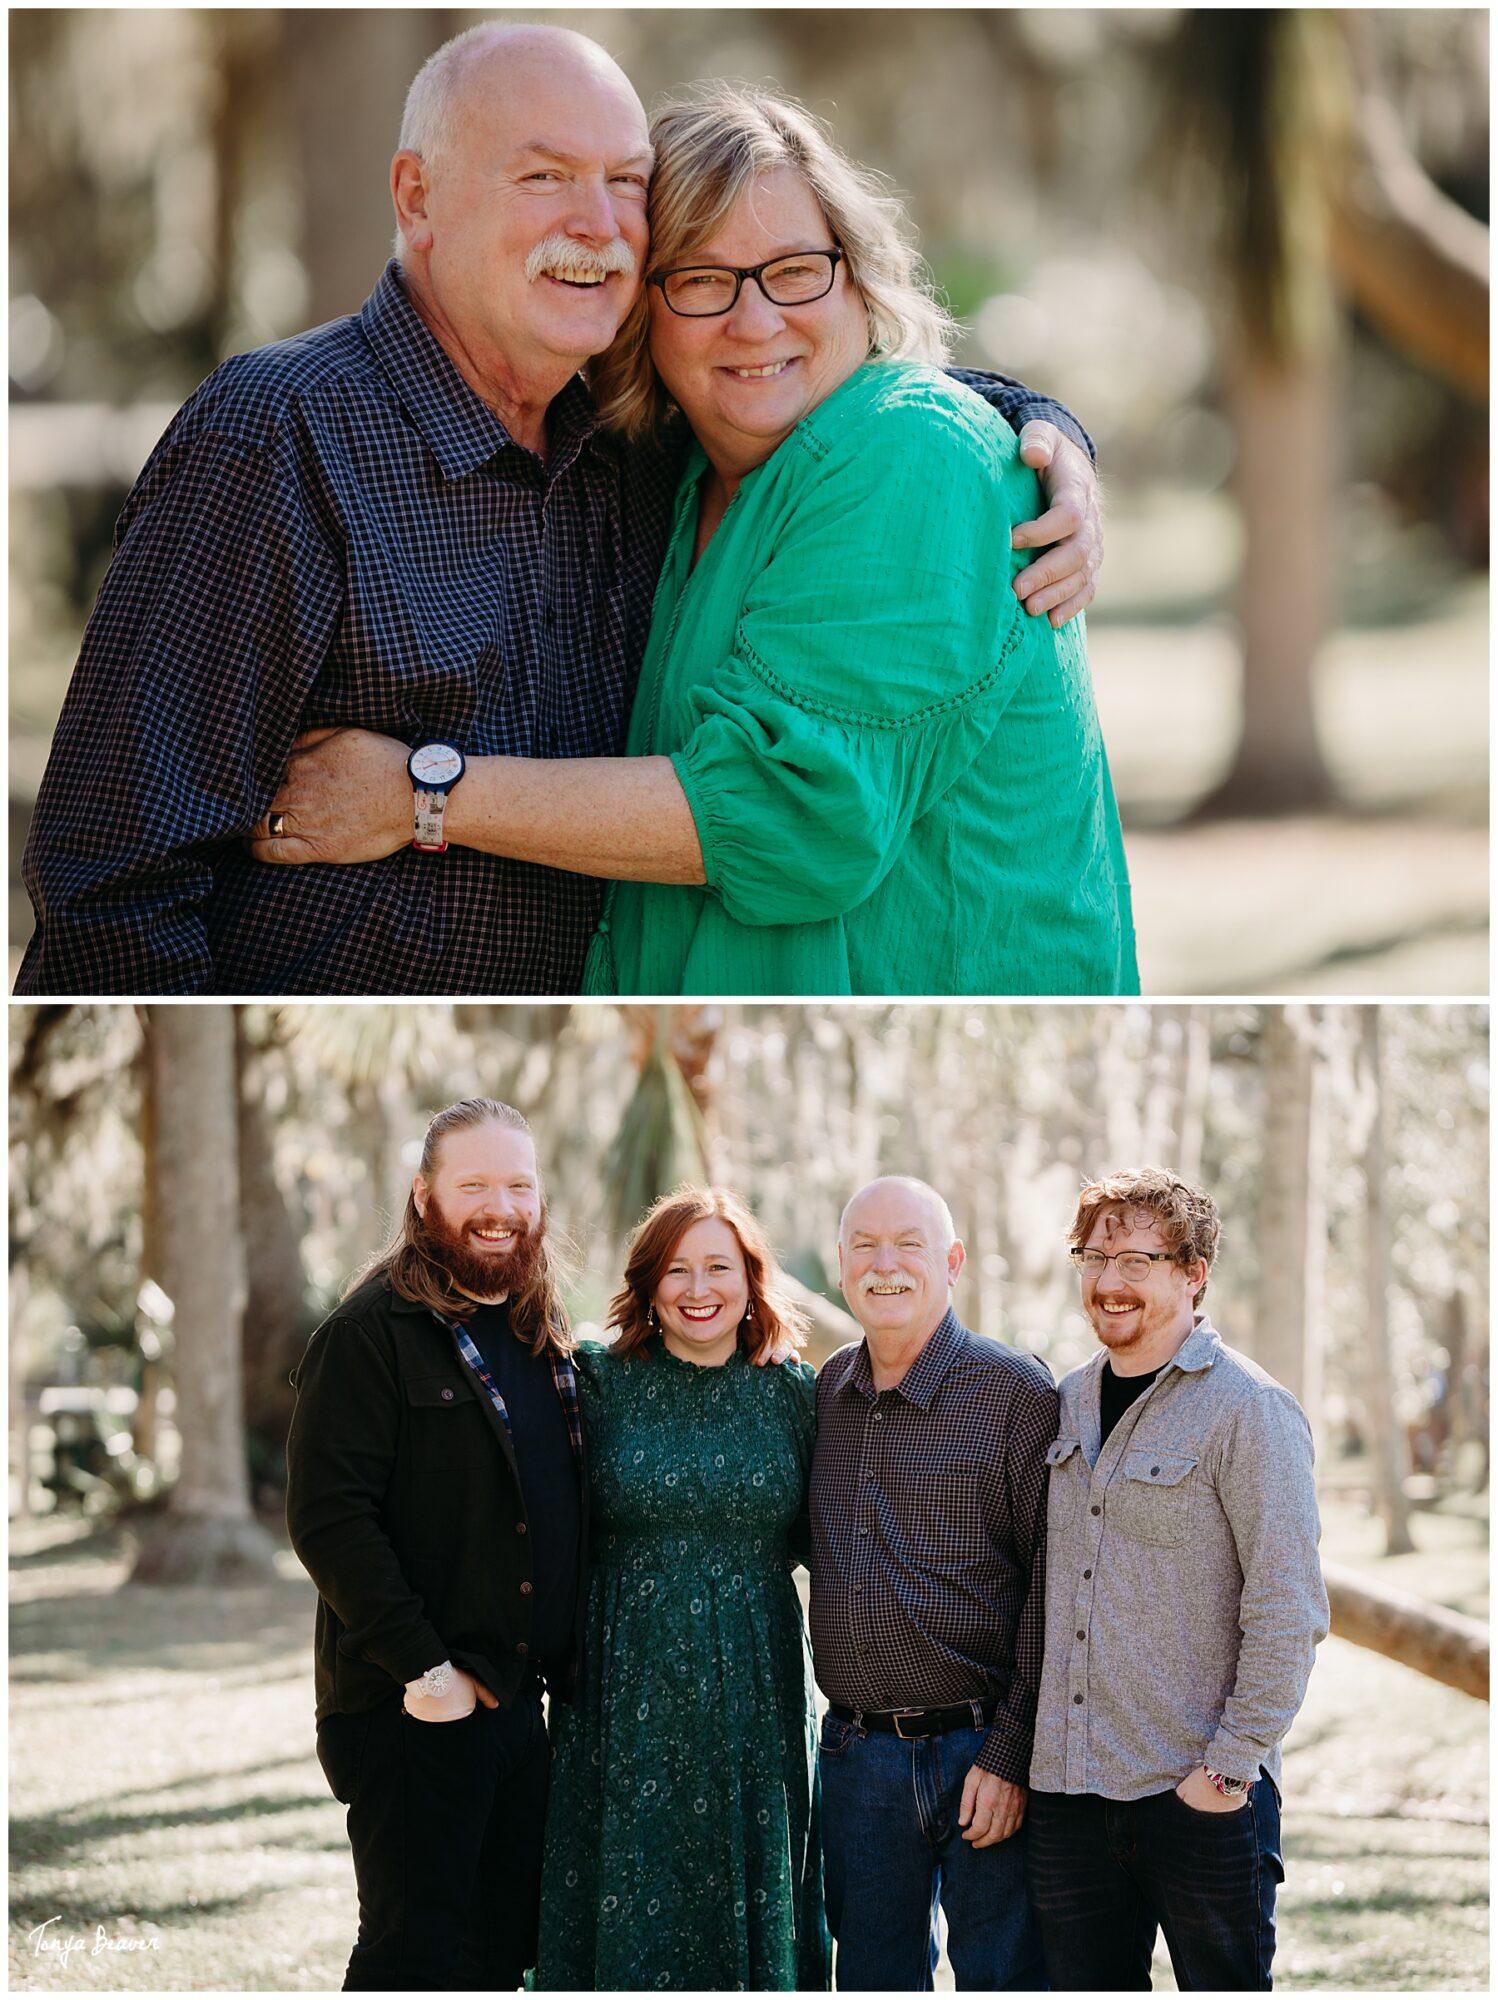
[(1248, 247), (1347, 1148)]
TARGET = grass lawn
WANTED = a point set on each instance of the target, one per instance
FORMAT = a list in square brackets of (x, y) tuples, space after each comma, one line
[(164, 1788)]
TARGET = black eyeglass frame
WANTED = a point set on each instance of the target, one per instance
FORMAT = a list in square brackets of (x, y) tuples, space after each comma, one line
[(1112, 1256), (834, 257)]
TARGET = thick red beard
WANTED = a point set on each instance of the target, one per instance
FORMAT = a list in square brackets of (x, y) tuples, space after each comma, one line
[(482, 1274)]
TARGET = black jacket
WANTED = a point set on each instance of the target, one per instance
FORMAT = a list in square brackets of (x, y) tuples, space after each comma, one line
[(403, 1501)]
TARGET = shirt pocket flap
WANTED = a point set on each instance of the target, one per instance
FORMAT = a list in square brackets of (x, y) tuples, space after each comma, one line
[(1059, 1452), (436, 1392), (1159, 1468)]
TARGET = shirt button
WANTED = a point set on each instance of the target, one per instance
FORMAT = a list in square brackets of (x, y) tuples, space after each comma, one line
[(1080, 1635), (1077, 1699), (523, 1649), (878, 1416), (863, 1531), (527, 1588), (1086, 1574), (1097, 1510), (1154, 1472), (520, 1530), (447, 1395)]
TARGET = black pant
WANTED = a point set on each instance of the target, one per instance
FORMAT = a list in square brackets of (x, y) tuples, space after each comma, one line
[(1105, 1873), (446, 1821)]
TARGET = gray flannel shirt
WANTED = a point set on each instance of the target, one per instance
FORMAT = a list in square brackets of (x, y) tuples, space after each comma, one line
[(1184, 1600)]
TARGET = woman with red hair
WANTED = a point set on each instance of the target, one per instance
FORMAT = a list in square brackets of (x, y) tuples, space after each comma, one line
[(682, 1846)]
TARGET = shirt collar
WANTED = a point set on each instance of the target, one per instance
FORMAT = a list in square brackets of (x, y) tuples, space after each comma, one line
[(1197, 1351), (924, 1376), (461, 429)]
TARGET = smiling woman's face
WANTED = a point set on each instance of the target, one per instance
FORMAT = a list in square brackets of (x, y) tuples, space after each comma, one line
[(703, 1293), (746, 378)]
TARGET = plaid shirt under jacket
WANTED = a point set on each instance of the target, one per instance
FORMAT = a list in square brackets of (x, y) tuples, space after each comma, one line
[(928, 1534), (336, 529)]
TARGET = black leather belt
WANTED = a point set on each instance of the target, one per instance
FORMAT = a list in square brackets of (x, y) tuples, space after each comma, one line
[(911, 1724)]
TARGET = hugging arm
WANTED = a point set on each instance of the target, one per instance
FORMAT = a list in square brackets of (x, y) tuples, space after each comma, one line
[(1054, 445)]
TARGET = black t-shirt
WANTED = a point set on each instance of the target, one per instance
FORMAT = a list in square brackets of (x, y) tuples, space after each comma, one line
[(548, 1474), (1118, 1392)]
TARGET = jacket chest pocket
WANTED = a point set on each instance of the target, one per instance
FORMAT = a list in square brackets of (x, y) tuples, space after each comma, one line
[(1152, 1494), (446, 1423), (1069, 1473)]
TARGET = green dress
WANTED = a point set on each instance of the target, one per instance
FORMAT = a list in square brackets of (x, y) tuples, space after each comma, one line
[(682, 1845), (896, 773)]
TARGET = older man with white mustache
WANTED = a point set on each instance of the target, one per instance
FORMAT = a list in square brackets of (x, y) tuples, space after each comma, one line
[(405, 521), (927, 1610)]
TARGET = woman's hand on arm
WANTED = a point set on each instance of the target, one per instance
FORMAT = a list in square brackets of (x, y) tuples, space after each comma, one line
[(346, 796)]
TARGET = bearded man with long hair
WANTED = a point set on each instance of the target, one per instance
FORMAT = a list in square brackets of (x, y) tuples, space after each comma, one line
[(435, 1496)]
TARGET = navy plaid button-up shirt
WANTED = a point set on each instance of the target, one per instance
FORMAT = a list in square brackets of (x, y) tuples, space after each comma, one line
[(336, 529), (928, 1534)]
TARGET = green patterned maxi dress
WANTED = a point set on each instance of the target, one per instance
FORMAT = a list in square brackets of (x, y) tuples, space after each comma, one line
[(682, 1846)]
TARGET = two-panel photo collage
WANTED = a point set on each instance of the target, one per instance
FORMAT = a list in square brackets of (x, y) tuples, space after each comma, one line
[(749, 984)]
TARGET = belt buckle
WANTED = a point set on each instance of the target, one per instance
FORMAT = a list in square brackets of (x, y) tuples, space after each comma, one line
[(896, 1713)]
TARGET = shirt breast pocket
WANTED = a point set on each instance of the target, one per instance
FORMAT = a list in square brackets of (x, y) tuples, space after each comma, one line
[(445, 1421), (1152, 1496), (1068, 1475)]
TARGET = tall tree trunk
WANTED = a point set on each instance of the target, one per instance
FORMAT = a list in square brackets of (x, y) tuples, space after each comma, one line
[(206, 1533), (1386, 1442), (1292, 1209), (20, 1409), (1285, 421), (276, 1298), (360, 60), (1196, 1072)]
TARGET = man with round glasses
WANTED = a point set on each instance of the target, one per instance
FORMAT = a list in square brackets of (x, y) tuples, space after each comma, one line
[(1184, 1605)]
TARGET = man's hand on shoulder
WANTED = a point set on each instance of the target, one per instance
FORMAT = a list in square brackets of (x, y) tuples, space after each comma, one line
[(992, 1809), (1063, 581)]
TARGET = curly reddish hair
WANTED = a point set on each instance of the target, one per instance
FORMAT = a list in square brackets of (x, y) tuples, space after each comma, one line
[(772, 1314), (1186, 1216)]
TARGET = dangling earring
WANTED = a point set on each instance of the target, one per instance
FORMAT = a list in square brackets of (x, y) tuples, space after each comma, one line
[(650, 1319)]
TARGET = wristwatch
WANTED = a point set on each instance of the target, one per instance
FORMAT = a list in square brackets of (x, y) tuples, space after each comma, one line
[(435, 767), (434, 1683), (1231, 1788)]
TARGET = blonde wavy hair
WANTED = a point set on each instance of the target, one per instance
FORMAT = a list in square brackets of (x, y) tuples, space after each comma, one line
[(710, 148)]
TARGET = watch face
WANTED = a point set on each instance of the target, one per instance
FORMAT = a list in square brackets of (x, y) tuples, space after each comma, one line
[(436, 764)]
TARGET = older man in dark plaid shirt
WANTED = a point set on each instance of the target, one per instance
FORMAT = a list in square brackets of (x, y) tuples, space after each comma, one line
[(406, 520), (927, 1611)]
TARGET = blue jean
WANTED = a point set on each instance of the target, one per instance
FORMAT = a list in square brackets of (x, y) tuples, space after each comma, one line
[(892, 1849), (1104, 1873)]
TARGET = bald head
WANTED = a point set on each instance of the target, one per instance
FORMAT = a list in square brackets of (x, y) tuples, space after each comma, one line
[(500, 64), (892, 1188)]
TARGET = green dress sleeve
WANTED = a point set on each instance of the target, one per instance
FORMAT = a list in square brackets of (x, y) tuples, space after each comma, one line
[(876, 652), (802, 1383)]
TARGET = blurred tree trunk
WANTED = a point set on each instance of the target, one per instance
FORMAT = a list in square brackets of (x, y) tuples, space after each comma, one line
[(1286, 421), (1442, 1644), (20, 1412), (1386, 1442), (349, 71), (206, 1533), (1412, 260), (276, 1298), (663, 1136), (1291, 1235)]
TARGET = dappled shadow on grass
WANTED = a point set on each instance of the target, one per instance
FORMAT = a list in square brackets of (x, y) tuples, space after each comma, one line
[(1390, 1902), (106, 1543), (50, 1837), (187, 1630)]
